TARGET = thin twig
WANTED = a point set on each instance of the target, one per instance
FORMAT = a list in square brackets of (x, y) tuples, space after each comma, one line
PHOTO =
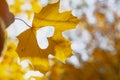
[(22, 21)]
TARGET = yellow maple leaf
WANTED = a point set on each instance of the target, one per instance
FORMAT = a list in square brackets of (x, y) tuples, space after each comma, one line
[(50, 15), (58, 46)]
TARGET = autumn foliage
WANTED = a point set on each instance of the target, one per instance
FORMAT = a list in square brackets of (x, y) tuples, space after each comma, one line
[(94, 42)]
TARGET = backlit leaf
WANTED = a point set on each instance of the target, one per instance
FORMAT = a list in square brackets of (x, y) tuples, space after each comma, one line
[(28, 47)]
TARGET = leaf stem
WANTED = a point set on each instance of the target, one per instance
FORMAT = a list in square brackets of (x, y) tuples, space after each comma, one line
[(22, 21)]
